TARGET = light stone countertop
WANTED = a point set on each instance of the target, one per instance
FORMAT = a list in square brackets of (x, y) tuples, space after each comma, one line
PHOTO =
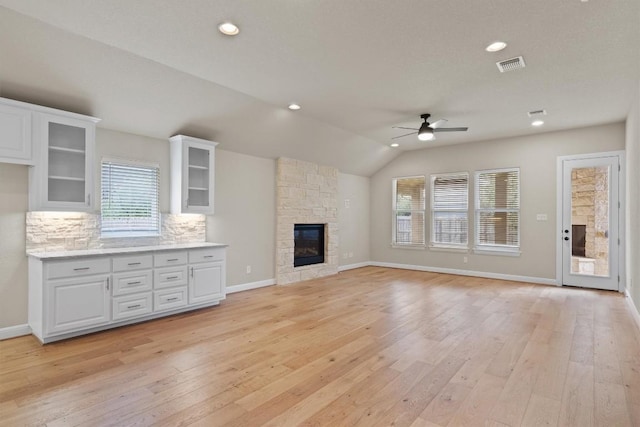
[(120, 251)]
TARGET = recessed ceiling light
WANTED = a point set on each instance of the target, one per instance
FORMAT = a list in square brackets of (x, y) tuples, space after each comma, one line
[(228, 29), (537, 123), (496, 46), (395, 144), (294, 107)]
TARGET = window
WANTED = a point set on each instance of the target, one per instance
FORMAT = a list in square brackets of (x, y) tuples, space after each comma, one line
[(498, 210), (408, 210), (129, 199), (449, 209)]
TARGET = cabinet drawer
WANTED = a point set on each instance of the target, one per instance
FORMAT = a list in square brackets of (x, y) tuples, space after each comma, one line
[(132, 282), (166, 259), (206, 255), (78, 267), (167, 299), (132, 306), (169, 277), (134, 262)]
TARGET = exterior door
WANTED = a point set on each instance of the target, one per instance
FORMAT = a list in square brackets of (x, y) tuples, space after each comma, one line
[(590, 233)]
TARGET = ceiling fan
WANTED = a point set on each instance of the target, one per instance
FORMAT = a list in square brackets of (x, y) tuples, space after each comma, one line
[(427, 130)]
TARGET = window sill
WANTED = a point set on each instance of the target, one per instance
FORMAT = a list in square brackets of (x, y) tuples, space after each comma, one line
[(129, 234), (497, 251), (412, 247), (446, 248)]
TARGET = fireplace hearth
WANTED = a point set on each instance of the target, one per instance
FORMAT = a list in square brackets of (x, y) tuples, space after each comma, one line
[(308, 244)]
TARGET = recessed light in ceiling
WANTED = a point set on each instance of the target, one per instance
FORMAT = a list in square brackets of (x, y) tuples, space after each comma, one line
[(537, 123), (395, 144), (496, 46), (294, 107), (228, 29)]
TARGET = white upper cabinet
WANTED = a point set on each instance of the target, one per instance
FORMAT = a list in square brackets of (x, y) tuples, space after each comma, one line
[(192, 175), (15, 133), (62, 178)]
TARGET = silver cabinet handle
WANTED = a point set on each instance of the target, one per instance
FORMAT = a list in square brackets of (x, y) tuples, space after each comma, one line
[(172, 299), (107, 283), (133, 306), (88, 199), (81, 269), (172, 278), (191, 271), (172, 259), (133, 283), (208, 256), (134, 263)]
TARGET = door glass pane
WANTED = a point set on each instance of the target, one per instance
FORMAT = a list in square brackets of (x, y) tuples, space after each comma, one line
[(590, 221)]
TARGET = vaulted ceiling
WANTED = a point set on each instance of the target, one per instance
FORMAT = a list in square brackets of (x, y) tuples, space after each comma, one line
[(357, 67)]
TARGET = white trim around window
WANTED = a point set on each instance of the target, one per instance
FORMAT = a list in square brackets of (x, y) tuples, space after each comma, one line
[(497, 212), (408, 212), (450, 212)]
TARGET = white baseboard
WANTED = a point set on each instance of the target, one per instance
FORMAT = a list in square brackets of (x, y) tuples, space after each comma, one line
[(488, 275), (632, 307), (14, 331), (352, 266), (251, 285)]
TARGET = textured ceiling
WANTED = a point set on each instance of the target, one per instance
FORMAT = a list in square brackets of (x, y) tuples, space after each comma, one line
[(358, 67)]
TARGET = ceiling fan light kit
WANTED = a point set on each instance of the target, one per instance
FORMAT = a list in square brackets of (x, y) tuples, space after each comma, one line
[(427, 130)]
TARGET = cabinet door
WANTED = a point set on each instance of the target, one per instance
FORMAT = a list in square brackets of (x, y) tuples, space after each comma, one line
[(206, 282), (76, 304), (198, 178), (15, 135), (66, 163)]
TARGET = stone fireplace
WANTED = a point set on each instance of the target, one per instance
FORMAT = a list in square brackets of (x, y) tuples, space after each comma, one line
[(307, 196)]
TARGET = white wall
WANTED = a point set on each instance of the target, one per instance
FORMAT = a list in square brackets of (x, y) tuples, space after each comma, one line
[(13, 260), (632, 146), (353, 219), (245, 215), (534, 155)]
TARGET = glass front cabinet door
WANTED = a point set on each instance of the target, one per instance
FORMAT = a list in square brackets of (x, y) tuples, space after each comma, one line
[(63, 176), (192, 175)]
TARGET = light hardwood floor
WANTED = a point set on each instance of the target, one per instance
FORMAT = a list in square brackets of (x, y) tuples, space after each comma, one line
[(368, 347)]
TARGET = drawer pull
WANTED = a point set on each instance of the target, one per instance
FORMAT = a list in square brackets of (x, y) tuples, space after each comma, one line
[(81, 268), (208, 256), (133, 306), (172, 259), (134, 263), (172, 299), (133, 283), (172, 278)]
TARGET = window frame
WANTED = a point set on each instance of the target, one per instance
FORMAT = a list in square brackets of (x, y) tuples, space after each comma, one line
[(494, 249), (442, 245), (394, 213), (129, 233)]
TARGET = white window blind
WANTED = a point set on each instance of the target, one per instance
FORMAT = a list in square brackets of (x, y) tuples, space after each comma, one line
[(498, 208), (129, 198), (408, 210), (449, 209)]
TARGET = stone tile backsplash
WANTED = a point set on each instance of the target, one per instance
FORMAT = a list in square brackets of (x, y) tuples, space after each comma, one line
[(56, 231)]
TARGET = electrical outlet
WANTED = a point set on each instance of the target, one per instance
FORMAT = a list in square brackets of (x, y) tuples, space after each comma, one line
[(248, 269), (350, 254), (345, 255), (347, 203), (465, 260)]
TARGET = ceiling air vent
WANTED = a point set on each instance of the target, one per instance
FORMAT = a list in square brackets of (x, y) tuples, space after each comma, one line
[(537, 113), (511, 64)]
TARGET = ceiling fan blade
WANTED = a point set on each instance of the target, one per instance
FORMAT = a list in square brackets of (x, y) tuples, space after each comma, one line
[(402, 136), (450, 130), (438, 123), (402, 127)]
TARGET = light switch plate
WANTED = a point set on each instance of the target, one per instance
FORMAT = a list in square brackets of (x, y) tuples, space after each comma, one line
[(541, 217)]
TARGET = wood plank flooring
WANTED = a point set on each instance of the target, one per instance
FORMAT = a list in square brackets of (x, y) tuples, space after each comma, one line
[(368, 347)]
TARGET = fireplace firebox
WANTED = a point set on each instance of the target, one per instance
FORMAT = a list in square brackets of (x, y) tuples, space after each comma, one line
[(308, 244)]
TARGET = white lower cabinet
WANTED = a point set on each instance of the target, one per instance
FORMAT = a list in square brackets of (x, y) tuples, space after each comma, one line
[(132, 306), (77, 303), (206, 283), (77, 295)]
